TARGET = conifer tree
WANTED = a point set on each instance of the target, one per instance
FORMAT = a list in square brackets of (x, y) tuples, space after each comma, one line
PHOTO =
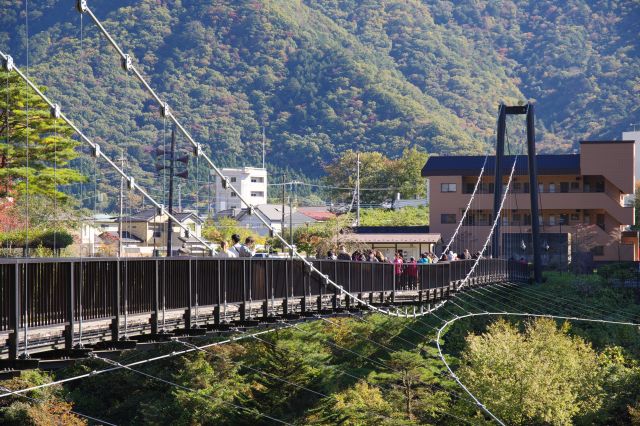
[(50, 147)]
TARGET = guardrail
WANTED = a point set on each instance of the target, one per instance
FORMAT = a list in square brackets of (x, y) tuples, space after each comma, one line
[(63, 291)]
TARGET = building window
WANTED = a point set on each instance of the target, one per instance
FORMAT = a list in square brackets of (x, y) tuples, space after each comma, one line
[(564, 186), (257, 179), (448, 187), (541, 188), (598, 251), (257, 194), (469, 188), (587, 219), (552, 187), (447, 218), (575, 186), (541, 220), (233, 194), (517, 187), (564, 219), (527, 219), (525, 187), (232, 179), (552, 220), (575, 217), (157, 234)]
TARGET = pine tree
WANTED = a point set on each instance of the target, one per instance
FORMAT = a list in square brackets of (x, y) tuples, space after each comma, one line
[(50, 147)]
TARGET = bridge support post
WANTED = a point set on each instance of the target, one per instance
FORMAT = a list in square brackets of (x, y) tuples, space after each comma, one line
[(497, 186), (303, 305), (265, 309), (14, 338), (533, 193), (68, 332), (334, 301), (347, 302), (285, 306)]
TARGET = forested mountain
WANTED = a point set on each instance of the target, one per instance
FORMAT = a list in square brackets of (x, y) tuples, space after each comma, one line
[(327, 76)]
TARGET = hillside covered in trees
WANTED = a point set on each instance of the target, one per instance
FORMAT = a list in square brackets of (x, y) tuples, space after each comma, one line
[(324, 77)]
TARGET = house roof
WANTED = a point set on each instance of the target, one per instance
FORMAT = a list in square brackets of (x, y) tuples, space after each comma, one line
[(148, 215), (273, 213), (317, 213), (470, 165), (395, 238), (390, 229), (127, 237)]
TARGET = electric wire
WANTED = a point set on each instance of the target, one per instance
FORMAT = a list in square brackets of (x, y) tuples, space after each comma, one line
[(77, 413), (188, 389)]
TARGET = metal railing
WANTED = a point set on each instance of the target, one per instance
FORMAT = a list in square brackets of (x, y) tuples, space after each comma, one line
[(65, 291)]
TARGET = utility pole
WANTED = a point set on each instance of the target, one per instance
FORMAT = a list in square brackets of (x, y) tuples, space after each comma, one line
[(171, 170), (121, 210), (358, 190), (263, 145), (291, 216), (180, 197)]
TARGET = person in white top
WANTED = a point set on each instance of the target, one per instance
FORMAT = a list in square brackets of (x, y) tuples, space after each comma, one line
[(235, 249), (225, 252), (247, 249)]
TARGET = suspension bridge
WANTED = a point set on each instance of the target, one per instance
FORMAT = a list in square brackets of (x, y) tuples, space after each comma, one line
[(59, 309)]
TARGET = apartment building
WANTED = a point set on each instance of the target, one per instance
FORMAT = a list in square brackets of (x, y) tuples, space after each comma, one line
[(250, 182), (585, 195)]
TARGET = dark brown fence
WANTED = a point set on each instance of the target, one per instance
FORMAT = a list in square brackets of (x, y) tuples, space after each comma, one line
[(48, 292)]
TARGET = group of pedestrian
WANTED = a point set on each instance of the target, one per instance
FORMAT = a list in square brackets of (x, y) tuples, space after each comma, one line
[(237, 249), (450, 255), (357, 256)]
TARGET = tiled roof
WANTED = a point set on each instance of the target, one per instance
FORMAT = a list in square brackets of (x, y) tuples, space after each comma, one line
[(470, 165), (390, 229), (395, 238)]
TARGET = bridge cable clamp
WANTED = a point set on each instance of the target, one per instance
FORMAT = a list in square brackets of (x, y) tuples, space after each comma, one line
[(55, 111), (8, 64), (127, 63), (131, 183), (164, 109), (81, 6), (96, 151)]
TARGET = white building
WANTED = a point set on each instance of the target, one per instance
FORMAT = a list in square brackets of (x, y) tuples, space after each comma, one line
[(251, 183)]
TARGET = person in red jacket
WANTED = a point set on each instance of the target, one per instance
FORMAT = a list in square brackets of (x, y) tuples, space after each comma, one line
[(412, 273), (397, 269)]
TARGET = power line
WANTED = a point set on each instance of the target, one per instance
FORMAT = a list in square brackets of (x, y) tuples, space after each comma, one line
[(186, 388)]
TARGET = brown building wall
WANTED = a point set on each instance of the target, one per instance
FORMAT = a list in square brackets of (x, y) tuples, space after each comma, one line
[(607, 173)]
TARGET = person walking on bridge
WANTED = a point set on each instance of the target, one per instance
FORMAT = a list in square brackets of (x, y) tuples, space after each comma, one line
[(343, 255), (397, 268), (225, 252), (235, 247), (246, 249)]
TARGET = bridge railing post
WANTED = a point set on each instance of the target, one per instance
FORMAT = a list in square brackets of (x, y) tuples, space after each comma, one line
[(188, 314), (69, 329), (156, 299), (115, 324), (14, 338)]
